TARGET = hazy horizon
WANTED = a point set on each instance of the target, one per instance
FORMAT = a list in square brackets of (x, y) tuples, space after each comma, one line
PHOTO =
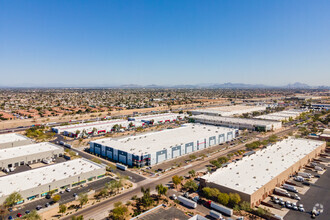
[(274, 43)]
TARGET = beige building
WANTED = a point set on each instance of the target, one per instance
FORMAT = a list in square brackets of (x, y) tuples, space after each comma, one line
[(13, 140), (255, 177), (39, 182)]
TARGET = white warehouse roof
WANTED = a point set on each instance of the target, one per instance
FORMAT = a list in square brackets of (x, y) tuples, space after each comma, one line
[(45, 175), (230, 110), (158, 117), (156, 141), (26, 150), (249, 121), (282, 115), (251, 173), (12, 137)]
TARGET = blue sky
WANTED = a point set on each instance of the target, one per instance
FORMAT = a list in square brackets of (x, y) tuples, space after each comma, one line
[(164, 42)]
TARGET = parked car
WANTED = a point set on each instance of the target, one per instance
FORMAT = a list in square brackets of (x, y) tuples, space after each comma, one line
[(47, 204), (10, 217), (74, 194), (48, 196), (19, 215), (10, 209), (27, 211), (317, 176), (38, 207), (306, 183), (301, 208), (68, 189), (288, 204)]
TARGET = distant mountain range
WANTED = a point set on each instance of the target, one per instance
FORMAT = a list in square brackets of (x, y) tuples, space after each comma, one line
[(296, 85)]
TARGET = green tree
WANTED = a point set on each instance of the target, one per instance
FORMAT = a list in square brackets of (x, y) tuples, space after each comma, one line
[(192, 173), (161, 190), (62, 209), (80, 217), (33, 215), (177, 180), (119, 212), (146, 199), (234, 199), (211, 193), (223, 198), (223, 160), (191, 185), (56, 198), (83, 199), (12, 199)]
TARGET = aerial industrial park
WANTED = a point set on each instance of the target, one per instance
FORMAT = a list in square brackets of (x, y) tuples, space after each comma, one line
[(164, 110), (223, 158)]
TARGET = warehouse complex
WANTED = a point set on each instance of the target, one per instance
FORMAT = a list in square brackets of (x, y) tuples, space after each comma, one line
[(158, 119), (77, 130), (13, 140), (282, 115), (255, 176), (28, 154), (156, 147), (39, 182), (229, 110), (239, 123)]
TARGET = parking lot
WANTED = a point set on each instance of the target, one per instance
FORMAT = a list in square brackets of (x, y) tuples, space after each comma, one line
[(314, 194), (65, 197)]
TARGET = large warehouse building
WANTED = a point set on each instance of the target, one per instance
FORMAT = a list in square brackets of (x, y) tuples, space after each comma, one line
[(156, 147), (239, 123), (98, 127), (229, 110), (158, 119), (282, 115), (13, 140), (28, 154), (39, 182), (255, 176)]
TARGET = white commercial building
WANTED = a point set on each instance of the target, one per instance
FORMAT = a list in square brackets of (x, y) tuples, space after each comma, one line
[(255, 176), (156, 147), (28, 154), (39, 182), (229, 110), (240, 123), (13, 140), (99, 127), (282, 115), (158, 119)]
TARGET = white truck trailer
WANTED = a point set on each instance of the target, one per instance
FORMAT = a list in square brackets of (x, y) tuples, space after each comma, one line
[(187, 202), (221, 208), (305, 175), (290, 187), (281, 191), (121, 166), (215, 215)]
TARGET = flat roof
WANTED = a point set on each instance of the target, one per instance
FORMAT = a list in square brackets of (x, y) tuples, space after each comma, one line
[(45, 175), (26, 150), (157, 116), (81, 125), (156, 141), (282, 115), (12, 137), (232, 109), (252, 172), (235, 120)]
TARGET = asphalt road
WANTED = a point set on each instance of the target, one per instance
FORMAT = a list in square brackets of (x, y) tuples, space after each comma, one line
[(65, 197)]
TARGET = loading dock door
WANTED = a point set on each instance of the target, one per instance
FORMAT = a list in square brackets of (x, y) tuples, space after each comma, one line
[(212, 142), (189, 149), (122, 159), (230, 136), (221, 139), (109, 154), (97, 150), (161, 158), (176, 153)]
